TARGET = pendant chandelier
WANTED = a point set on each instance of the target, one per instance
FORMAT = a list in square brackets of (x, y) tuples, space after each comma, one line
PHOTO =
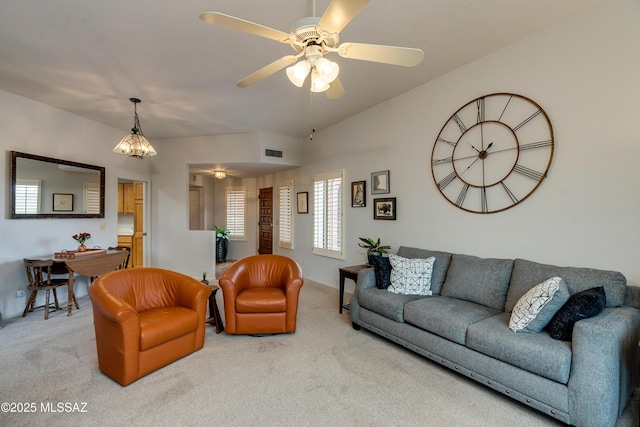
[(135, 144)]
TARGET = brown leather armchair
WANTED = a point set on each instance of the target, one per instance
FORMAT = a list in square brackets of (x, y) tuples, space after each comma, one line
[(261, 295), (146, 318)]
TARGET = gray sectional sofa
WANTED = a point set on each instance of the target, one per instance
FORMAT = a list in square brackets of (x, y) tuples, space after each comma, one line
[(464, 325)]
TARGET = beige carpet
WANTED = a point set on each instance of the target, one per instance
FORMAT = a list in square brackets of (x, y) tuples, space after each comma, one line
[(326, 374)]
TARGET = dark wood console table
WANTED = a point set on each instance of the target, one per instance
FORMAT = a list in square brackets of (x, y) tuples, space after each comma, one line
[(350, 272)]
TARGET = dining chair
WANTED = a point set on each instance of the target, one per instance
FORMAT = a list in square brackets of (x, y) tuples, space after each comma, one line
[(39, 277), (125, 263)]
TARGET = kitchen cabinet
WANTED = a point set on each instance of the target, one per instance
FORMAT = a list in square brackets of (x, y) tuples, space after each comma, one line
[(126, 198), (127, 242)]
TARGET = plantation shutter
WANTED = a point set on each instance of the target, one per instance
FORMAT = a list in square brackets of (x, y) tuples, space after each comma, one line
[(27, 197), (327, 214), (286, 214), (91, 198), (235, 212)]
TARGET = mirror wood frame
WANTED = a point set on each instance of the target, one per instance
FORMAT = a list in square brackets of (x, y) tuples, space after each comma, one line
[(16, 155)]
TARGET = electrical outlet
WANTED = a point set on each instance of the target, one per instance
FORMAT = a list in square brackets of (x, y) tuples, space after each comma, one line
[(103, 226)]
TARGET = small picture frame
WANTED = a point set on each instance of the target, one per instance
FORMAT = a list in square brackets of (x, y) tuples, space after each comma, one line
[(384, 208), (62, 202), (380, 182), (303, 202), (359, 194)]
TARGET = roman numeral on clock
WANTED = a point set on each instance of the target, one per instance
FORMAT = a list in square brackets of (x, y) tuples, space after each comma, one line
[(461, 125), (537, 144), (529, 173), (447, 180)]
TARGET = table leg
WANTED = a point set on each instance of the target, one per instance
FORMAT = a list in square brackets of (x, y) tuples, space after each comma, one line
[(342, 277), (70, 296), (214, 313)]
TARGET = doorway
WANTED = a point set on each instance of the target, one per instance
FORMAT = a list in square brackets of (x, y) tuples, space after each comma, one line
[(132, 220)]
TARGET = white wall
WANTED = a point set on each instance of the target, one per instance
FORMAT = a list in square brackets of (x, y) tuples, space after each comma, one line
[(36, 128), (585, 73)]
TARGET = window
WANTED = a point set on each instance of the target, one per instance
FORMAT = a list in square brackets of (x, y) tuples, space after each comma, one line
[(91, 198), (27, 196), (286, 214), (236, 198), (327, 214)]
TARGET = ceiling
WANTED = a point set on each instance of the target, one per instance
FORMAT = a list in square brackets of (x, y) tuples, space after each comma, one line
[(90, 57)]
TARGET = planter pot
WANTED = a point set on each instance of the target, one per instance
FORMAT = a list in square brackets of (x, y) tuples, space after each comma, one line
[(221, 250), (370, 255)]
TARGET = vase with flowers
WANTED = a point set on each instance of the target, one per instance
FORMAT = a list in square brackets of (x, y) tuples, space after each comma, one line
[(81, 238)]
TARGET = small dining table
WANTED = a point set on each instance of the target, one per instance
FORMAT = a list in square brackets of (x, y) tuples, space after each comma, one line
[(90, 265)]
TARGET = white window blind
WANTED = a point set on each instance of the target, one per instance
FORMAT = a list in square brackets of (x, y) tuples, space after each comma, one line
[(236, 205), (27, 197), (91, 198), (327, 214), (286, 214)]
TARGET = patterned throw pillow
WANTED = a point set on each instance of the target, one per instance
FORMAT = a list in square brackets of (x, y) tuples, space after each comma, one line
[(410, 276), (534, 310)]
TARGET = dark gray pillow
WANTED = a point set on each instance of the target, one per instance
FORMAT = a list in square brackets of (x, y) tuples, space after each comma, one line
[(382, 268), (581, 305)]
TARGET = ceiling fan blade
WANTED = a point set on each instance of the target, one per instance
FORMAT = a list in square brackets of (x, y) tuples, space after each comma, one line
[(336, 90), (246, 26), (339, 13), (404, 56), (268, 70)]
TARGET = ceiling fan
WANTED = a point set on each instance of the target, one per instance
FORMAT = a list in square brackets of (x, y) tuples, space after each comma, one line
[(313, 38)]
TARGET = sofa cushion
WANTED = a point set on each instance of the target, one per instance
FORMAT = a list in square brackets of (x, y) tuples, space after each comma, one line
[(385, 303), (410, 276), (527, 274), (382, 267), (481, 280), (440, 266), (536, 353), (163, 324), (582, 305), (536, 308), (446, 317)]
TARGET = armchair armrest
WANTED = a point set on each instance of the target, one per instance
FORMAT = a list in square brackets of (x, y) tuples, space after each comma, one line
[(604, 366)]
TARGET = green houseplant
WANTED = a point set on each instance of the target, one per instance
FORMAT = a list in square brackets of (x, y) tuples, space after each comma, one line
[(222, 243), (373, 247)]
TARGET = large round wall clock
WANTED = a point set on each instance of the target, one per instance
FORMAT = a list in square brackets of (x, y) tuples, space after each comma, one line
[(493, 153)]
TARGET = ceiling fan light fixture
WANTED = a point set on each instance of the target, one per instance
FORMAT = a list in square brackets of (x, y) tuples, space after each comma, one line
[(298, 73), (317, 84), (327, 70), (135, 144)]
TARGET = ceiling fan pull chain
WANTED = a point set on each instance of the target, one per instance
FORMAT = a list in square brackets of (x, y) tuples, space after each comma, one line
[(313, 117)]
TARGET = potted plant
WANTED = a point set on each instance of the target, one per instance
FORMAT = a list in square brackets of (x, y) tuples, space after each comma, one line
[(373, 247), (222, 243)]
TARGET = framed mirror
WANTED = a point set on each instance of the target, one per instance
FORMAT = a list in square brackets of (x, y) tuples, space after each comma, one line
[(43, 187)]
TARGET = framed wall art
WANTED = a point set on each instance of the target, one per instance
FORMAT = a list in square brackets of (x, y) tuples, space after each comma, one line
[(358, 194), (62, 202), (380, 182), (384, 208), (303, 202)]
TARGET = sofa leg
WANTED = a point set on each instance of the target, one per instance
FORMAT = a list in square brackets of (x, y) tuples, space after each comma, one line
[(355, 326)]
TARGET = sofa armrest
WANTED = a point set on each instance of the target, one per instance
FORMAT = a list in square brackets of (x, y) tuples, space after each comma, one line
[(366, 279), (604, 368)]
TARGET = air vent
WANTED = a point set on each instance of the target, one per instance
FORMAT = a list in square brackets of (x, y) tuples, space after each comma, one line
[(272, 153)]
